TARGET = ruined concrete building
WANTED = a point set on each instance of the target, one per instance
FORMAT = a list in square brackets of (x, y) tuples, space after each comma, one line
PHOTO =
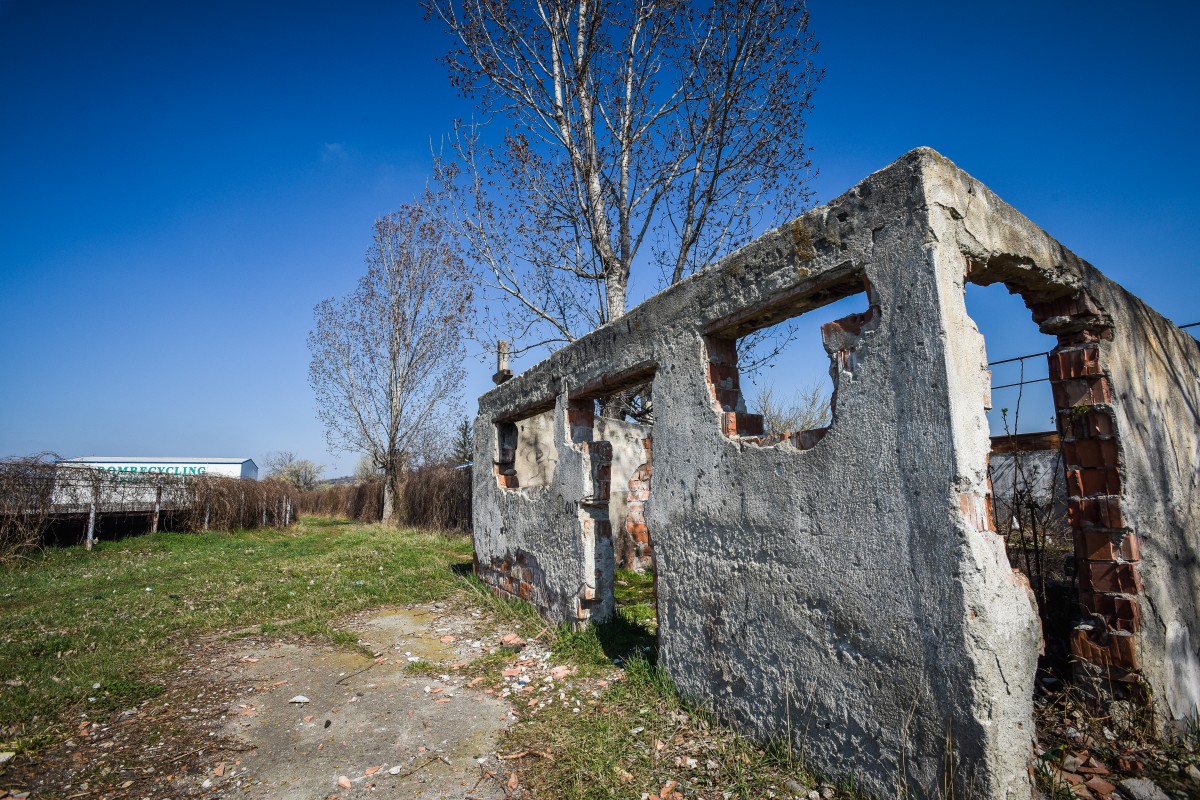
[(847, 585)]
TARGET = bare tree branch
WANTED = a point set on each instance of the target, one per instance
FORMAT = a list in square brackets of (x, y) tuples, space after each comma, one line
[(664, 122), (387, 358)]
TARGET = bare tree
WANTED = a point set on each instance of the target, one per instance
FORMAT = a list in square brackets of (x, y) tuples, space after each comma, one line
[(299, 473), (806, 409), (387, 359), (366, 471), (651, 122)]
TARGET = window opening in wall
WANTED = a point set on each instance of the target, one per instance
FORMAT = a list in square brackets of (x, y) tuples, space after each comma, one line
[(1021, 399), (773, 378), (621, 423), (1025, 471), (526, 451)]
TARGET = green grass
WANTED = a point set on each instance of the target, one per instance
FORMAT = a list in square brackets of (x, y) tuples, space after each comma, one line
[(75, 619), (640, 736), (119, 615)]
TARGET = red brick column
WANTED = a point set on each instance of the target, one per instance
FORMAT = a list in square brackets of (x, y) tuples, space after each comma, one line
[(724, 387), (1106, 548)]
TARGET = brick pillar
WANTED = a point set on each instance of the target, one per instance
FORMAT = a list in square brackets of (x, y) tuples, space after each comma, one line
[(724, 387), (1106, 548)]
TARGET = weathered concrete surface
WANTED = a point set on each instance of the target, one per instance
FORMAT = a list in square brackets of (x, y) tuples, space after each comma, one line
[(1144, 383), (369, 721), (1155, 372), (848, 589)]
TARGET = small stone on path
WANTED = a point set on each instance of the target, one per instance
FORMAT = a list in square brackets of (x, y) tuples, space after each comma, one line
[(1142, 789)]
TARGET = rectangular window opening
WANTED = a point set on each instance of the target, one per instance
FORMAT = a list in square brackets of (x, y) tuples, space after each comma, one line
[(773, 377)]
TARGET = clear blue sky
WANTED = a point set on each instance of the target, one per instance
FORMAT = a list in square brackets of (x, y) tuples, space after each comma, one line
[(183, 181)]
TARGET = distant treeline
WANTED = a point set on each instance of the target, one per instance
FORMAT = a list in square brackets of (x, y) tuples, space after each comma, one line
[(39, 494), (437, 498)]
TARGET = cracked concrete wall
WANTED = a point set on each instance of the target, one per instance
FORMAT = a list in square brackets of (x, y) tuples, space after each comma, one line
[(914, 666), (1127, 385), (1154, 369)]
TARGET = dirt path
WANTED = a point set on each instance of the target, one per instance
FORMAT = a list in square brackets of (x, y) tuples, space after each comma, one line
[(401, 722)]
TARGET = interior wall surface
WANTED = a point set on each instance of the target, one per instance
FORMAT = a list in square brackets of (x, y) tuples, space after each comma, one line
[(629, 453)]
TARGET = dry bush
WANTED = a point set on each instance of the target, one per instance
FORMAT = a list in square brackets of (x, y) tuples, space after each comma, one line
[(436, 498), (38, 491), (361, 501), (26, 489)]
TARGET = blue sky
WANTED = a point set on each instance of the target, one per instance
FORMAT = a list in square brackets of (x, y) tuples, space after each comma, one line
[(182, 182)]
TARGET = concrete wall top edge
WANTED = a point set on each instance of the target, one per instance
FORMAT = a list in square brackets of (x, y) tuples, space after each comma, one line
[(824, 249)]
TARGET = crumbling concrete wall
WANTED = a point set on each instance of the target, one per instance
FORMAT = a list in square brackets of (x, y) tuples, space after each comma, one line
[(845, 585), (1153, 369)]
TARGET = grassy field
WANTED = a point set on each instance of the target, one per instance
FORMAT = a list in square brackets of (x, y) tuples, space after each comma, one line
[(94, 631)]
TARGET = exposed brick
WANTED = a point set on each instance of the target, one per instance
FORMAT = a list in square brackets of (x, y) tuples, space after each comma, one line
[(1128, 614), (1075, 363), (582, 412), (581, 420), (1094, 512), (1081, 337), (1118, 651), (525, 590), (1108, 576), (508, 481), (1130, 548), (722, 351), (602, 483), (852, 324), (724, 376), (975, 511), (1097, 546), (737, 424), (1088, 424), (1091, 482), (1087, 391), (1091, 453), (727, 398), (1078, 305), (807, 440), (1122, 652)]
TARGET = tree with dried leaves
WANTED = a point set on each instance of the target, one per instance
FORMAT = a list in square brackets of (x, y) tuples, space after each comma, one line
[(299, 473), (387, 359), (658, 124), (808, 408)]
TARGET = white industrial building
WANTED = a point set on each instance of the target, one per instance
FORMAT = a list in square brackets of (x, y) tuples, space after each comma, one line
[(225, 467)]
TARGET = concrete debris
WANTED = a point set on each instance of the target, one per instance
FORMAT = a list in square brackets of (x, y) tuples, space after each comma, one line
[(1142, 789)]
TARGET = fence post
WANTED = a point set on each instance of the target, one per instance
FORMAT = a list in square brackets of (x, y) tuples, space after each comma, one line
[(206, 510), (157, 508), (91, 528)]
